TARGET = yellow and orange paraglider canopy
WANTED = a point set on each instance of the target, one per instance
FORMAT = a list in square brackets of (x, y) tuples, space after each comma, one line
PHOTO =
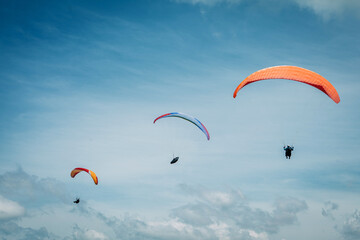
[(92, 174), (292, 73)]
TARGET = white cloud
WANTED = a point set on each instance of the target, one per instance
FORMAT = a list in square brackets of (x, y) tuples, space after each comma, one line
[(88, 234), (209, 2), (327, 8), (213, 197), (31, 189), (327, 210), (212, 214), (351, 227), (12, 231), (227, 215), (92, 234), (221, 230), (324, 8), (10, 209), (260, 236), (286, 210)]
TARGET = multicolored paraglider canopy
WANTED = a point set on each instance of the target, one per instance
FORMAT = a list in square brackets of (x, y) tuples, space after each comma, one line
[(91, 173), (292, 73), (189, 118)]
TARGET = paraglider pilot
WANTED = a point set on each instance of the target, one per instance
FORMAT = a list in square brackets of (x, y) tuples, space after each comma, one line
[(288, 151), (77, 200)]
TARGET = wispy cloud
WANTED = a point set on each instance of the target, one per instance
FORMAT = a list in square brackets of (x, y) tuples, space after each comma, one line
[(328, 209), (329, 8), (209, 2), (324, 8)]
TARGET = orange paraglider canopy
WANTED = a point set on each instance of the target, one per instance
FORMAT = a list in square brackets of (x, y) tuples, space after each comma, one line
[(292, 73), (92, 174)]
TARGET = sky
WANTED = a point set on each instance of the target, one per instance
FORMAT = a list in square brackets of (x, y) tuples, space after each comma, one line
[(81, 83)]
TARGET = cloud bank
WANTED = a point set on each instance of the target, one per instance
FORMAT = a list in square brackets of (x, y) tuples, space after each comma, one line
[(32, 190), (351, 227), (209, 215), (212, 215)]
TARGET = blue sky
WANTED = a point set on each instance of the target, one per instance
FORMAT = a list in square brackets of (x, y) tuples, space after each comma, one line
[(81, 83)]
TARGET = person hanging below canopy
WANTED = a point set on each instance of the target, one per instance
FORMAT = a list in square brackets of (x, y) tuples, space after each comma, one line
[(288, 151)]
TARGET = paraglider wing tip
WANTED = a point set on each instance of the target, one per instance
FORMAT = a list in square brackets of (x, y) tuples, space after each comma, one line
[(238, 89), (95, 178), (164, 115), (235, 93)]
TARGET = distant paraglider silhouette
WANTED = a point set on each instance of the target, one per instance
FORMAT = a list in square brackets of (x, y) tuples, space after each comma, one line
[(288, 151), (175, 159)]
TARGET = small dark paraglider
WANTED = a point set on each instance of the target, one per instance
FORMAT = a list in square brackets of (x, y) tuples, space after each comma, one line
[(174, 160), (77, 200), (288, 151)]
